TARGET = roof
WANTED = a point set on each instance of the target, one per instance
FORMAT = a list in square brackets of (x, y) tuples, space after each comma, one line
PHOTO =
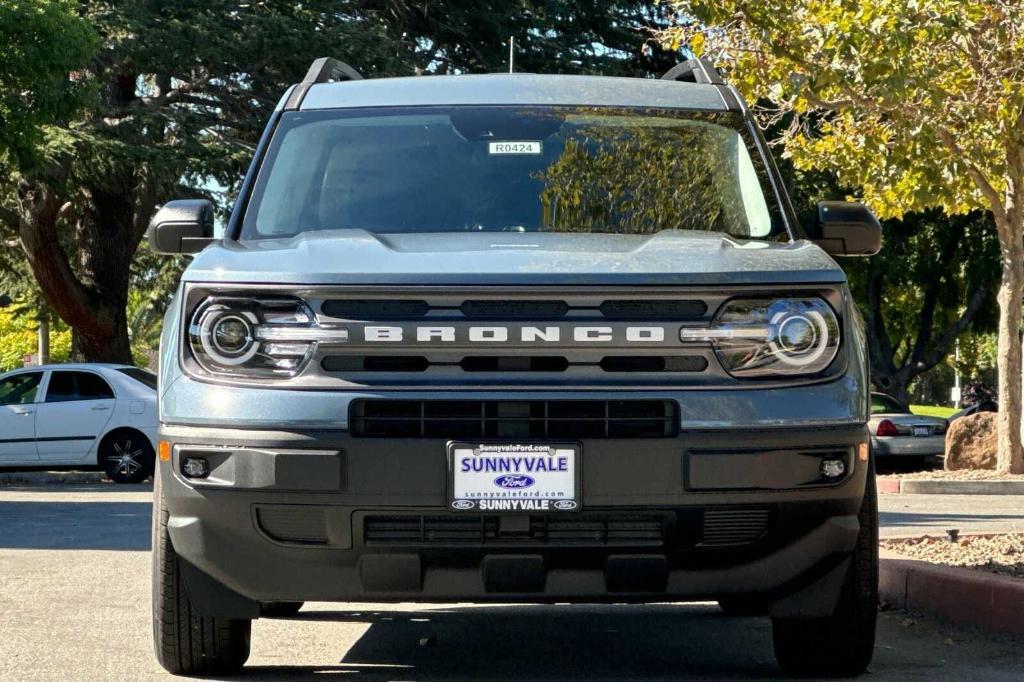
[(514, 89), (75, 365)]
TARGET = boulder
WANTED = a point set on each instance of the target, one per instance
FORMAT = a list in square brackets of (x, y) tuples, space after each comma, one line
[(971, 442)]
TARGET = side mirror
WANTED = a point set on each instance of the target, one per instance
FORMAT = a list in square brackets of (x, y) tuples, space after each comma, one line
[(847, 228), (182, 226)]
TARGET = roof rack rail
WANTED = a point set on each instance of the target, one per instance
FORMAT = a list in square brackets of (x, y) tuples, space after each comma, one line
[(328, 69), (694, 71), (322, 70)]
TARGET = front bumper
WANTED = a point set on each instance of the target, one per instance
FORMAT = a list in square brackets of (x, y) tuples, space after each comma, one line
[(323, 516)]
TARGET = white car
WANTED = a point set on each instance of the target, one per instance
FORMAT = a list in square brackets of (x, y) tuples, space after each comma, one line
[(80, 415)]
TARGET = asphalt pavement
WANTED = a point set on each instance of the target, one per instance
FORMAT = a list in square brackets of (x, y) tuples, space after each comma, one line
[(74, 604)]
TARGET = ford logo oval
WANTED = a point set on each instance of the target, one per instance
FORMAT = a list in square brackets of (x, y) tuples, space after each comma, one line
[(463, 504), (514, 481), (565, 505)]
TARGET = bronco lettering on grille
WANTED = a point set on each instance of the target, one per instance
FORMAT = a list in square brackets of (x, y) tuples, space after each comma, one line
[(525, 334)]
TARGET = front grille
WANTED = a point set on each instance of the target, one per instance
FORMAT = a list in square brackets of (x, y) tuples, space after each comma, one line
[(372, 309), (514, 310), (481, 419), (738, 526), (410, 337), (653, 310), (647, 530), (654, 363), (526, 309), (514, 363), (293, 523)]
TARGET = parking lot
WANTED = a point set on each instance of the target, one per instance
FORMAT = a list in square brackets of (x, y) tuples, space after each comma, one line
[(74, 604)]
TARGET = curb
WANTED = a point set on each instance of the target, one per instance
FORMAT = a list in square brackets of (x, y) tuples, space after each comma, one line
[(936, 486), (962, 595), (48, 477)]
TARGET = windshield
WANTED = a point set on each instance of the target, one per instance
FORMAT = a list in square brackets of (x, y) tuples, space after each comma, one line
[(549, 169)]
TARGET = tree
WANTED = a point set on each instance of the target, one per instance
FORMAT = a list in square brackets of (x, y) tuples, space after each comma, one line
[(183, 90), (41, 43), (551, 36), (919, 104), (934, 281)]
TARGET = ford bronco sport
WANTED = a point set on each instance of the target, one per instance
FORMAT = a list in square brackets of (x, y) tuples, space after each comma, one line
[(514, 338)]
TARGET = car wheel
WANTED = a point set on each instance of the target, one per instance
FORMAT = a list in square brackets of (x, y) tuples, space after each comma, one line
[(187, 643), (744, 606), (127, 457), (280, 609), (840, 645)]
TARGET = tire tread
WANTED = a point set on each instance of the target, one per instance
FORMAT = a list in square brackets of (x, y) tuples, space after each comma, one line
[(840, 645), (186, 643)]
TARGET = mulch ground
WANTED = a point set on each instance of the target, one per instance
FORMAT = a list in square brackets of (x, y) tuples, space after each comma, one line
[(1003, 554)]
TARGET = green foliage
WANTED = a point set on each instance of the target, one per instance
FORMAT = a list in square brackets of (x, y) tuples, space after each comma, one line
[(923, 98), (915, 294), (977, 362), (154, 280), (41, 43), (19, 336)]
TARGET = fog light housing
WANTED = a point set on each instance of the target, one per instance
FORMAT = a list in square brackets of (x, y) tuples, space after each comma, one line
[(195, 467), (832, 468)]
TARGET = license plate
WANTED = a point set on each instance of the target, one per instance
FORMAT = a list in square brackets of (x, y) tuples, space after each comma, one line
[(922, 431), (514, 477)]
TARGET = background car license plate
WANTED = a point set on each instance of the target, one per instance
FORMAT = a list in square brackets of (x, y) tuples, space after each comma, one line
[(922, 431), (514, 477)]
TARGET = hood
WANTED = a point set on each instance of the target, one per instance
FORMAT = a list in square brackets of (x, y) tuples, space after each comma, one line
[(665, 258)]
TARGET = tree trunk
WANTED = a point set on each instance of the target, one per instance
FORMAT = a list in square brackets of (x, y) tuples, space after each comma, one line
[(91, 298), (1010, 456), (114, 346), (896, 384)]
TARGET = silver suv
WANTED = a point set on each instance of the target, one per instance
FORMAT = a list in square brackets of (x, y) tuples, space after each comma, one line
[(514, 338)]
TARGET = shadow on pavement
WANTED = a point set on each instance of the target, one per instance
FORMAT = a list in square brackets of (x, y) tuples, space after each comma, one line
[(75, 525), (110, 488), (547, 643), (897, 465)]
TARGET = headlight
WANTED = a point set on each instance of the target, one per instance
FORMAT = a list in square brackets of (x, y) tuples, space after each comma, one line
[(256, 336), (772, 337)]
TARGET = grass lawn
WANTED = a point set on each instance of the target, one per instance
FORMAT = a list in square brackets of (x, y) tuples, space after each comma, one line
[(933, 410)]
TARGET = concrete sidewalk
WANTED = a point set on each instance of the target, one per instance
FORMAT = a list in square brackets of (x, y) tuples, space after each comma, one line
[(50, 477), (928, 486)]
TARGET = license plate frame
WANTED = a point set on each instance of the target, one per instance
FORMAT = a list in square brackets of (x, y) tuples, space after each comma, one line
[(466, 491)]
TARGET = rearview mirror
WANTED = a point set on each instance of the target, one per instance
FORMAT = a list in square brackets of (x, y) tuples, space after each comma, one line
[(847, 228), (181, 226)]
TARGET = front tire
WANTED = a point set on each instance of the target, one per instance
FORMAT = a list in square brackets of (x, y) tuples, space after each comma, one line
[(840, 645), (127, 457), (187, 643)]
